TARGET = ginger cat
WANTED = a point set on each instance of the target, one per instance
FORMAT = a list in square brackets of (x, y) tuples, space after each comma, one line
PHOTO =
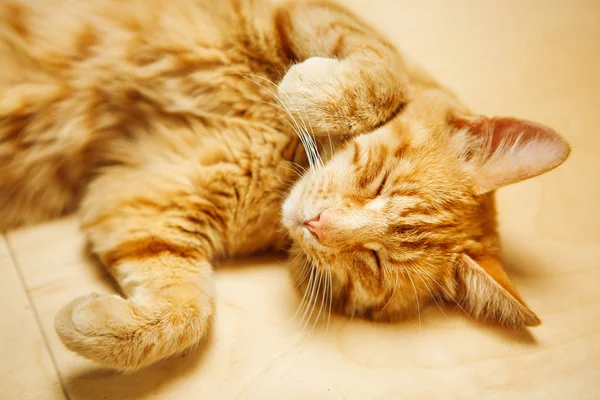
[(159, 122)]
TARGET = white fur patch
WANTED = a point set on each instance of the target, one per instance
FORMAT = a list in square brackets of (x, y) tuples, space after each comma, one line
[(376, 204), (291, 209)]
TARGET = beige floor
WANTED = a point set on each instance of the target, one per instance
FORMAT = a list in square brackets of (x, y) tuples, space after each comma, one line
[(537, 59)]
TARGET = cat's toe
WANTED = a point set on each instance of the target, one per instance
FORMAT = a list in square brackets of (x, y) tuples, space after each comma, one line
[(91, 325), (64, 323), (94, 313), (307, 75), (310, 91)]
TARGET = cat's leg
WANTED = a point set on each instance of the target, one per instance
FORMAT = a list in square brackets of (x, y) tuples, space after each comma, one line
[(154, 231), (349, 79)]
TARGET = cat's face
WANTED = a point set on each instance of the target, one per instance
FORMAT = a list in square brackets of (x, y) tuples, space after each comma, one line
[(403, 216)]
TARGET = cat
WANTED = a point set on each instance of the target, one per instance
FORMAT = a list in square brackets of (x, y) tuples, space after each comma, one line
[(177, 131)]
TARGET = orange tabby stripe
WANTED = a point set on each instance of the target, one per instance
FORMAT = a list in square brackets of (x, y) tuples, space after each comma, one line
[(135, 250), (15, 16)]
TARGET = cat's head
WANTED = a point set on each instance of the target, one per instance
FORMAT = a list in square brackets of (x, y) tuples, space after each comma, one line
[(404, 215)]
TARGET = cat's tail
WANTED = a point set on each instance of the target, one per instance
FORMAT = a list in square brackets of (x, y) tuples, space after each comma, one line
[(128, 334)]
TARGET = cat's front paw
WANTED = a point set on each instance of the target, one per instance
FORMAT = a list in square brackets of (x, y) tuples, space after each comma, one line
[(307, 76), (342, 97), (310, 92)]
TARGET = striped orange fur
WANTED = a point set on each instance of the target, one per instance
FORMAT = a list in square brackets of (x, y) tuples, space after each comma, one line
[(176, 130)]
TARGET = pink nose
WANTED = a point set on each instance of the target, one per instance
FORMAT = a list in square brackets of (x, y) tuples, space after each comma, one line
[(317, 225)]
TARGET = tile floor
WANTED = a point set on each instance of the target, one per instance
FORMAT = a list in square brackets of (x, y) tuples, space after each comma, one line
[(536, 59)]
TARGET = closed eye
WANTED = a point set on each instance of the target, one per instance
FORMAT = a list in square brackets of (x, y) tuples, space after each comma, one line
[(381, 185), (377, 259)]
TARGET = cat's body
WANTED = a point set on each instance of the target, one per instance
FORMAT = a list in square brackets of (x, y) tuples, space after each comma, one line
[(168, 109), (159, 121)]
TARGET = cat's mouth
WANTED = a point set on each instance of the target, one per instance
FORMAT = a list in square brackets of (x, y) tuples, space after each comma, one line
[(307, 239)]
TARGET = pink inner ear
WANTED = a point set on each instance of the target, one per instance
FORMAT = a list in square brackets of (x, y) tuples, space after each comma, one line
[(499, 129), (508, 150), (512, 129)]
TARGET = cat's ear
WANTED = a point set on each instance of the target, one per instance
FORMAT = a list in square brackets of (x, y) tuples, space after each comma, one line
[(484, 290), (501, 151)]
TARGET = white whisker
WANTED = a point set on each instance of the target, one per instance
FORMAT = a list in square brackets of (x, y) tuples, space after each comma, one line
[(429, 290), (306, 291), (305, 136), (330, 298), (313, 299), (416, 297), (330, 143), (301, 277), (319, 291), (313, 282), (299, 131), (393, 292)]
